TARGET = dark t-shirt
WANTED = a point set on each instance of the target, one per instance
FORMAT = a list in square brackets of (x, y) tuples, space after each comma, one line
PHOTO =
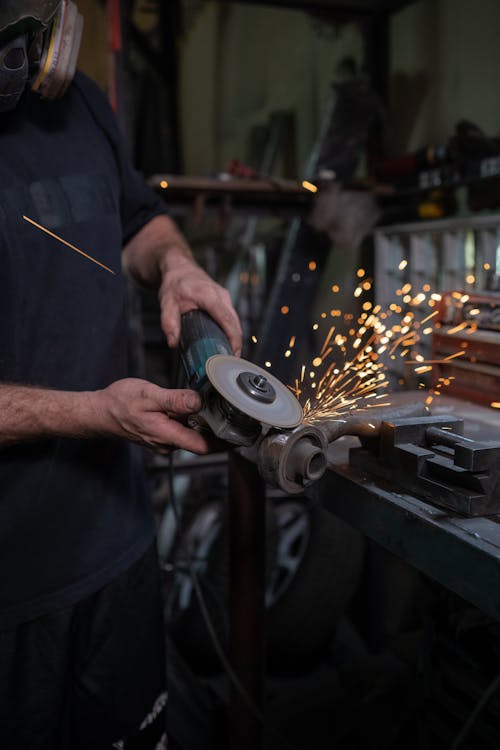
[(73, 513)]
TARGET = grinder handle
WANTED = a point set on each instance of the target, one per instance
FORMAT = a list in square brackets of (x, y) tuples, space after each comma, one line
[(201, 338)]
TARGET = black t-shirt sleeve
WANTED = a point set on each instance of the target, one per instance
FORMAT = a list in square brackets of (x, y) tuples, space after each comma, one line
[(138, 202)]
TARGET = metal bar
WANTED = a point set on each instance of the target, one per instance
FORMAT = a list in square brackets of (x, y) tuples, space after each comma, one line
[(247, 546)]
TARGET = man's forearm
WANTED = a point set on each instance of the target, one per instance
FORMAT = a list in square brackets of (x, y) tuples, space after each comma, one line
[(130, 409), (155, 249), (33, 413)]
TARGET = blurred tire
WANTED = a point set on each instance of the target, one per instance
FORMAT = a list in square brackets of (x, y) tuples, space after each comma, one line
[(314, 565), (322, 559)]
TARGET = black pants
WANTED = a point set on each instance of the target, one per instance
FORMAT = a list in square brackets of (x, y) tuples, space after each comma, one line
[(90, 676)]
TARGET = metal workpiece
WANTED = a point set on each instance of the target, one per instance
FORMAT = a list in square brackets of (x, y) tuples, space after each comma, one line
[(366, 423), (292, 460)]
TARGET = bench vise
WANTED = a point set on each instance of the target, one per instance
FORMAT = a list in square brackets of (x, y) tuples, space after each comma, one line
[(430, 457)]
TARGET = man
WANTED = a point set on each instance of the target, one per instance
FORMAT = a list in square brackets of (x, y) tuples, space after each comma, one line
[(81, 662)]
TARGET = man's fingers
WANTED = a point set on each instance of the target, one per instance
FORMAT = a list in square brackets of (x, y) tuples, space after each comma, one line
[(179, 295), (226, 317), (171, 322), (179, 401), (176, 434)]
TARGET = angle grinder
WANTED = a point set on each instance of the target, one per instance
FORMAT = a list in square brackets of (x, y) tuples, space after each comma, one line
[(249, 408)]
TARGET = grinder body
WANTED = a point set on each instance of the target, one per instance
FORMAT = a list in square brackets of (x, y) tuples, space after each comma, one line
[(201, 338)]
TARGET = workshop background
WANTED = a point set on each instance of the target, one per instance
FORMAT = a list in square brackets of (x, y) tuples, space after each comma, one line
[(309, 148)]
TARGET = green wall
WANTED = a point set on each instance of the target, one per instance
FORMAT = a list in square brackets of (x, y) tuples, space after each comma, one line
[(241, 62)]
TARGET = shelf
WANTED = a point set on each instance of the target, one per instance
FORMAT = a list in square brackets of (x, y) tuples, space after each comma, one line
[(259, 194)]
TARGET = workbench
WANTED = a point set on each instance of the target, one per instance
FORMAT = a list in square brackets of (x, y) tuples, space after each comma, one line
[(462, 554)]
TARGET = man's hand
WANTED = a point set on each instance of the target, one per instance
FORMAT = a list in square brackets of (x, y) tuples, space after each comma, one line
[(159, 255), (187, 287), (149, 415)]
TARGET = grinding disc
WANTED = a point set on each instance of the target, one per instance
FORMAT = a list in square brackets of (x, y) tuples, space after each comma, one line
[(224, 371)]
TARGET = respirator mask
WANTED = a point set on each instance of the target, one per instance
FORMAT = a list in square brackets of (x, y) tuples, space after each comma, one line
[(39, 46)]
